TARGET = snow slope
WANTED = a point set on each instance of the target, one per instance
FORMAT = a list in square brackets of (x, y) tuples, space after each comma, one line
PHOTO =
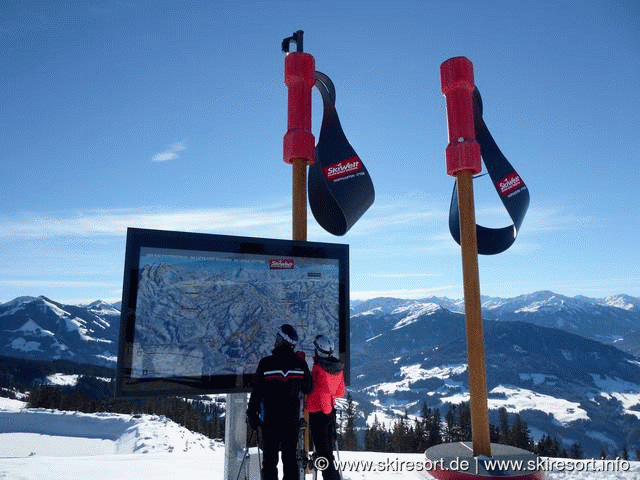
[(55, 445), (38, 444)]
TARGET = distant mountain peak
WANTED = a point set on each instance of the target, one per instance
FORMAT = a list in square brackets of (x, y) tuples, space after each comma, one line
[(414, 312), (100, 307), (625, 302), (43, 329), (18, 301)]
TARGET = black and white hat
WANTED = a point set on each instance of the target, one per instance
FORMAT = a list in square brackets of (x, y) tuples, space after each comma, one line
[(288, 335)]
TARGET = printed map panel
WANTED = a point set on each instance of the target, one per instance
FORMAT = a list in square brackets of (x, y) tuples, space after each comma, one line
[(217, 313)]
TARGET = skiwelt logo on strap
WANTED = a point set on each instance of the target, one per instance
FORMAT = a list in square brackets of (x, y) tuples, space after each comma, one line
[(281, 263), (510, 184), (343, 169)]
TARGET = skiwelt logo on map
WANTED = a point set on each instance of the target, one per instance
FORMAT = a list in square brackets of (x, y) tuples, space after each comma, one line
[(281, 263), (342, 169)]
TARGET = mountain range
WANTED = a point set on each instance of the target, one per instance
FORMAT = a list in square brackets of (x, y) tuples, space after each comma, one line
[(573, 387), (569, 366), (41, 329)]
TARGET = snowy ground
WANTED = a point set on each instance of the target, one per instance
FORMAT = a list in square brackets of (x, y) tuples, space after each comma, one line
[(51, 445)]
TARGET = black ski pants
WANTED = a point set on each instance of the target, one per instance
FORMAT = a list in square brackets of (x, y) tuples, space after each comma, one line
[(324, 438), (280, 438)]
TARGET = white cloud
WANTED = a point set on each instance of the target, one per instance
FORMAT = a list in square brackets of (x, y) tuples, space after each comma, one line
[(404, 275), (87, 223), (256, 220), (170, 153), (547, 219), (403, 211), (55, 283)]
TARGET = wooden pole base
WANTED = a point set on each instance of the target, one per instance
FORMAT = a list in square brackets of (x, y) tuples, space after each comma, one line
[(473, 316), (455, 461), (299, 232)]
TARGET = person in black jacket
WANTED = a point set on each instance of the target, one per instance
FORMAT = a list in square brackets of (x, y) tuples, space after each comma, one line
[(281, 380)]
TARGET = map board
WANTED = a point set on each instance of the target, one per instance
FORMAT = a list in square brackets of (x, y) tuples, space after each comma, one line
[(199, 311)]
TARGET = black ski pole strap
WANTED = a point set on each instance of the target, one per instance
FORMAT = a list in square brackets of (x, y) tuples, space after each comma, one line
[(340, 188), (511, 189)]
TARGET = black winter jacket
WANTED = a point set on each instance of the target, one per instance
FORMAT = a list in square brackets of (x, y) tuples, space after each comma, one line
[(280, 379)]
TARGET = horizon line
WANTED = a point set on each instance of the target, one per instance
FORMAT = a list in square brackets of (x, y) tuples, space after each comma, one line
[(352, 298)]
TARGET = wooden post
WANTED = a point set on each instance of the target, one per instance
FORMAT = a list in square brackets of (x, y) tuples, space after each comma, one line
[(299, 224), (473, 315), (299, 199)]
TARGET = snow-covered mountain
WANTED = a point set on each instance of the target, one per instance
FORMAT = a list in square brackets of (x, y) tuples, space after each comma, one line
[(563, 384), (42, 329), (613, 320), (567, 365)]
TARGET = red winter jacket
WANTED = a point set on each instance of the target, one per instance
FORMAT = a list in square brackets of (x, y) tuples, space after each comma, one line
[(328, 384)]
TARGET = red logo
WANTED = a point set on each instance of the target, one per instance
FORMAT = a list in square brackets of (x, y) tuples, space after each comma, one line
[(509, 184), (281, 263), (342, 169)]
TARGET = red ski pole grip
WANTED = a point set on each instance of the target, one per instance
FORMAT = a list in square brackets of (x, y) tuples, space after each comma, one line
[(463, 151), (299, 77)]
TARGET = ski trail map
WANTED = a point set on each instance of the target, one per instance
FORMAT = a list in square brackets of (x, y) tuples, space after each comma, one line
[(216, 313)]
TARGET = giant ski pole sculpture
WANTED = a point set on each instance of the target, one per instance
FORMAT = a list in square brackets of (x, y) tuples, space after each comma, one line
[(463, 161), (340, 189), (298, 149), (461, 461)]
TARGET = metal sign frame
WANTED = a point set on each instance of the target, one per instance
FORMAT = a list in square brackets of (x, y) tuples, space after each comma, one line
[(248, 247)]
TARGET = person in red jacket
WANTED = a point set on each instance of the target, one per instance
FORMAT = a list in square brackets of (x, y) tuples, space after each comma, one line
[(328, 384)]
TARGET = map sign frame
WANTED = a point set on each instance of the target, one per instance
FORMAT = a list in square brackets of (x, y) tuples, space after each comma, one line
[(200, 310)]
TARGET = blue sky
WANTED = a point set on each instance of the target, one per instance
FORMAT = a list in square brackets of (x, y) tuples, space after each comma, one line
[(171, 115)]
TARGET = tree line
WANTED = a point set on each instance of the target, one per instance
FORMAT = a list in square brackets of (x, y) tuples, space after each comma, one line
[(416, 434), (199, 415), (94, 392), (405, 434)]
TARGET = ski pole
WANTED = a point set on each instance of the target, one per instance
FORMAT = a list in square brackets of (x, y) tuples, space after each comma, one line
[(244, 457), (298, 150), (338, 458), (463, 161), (259, 459)]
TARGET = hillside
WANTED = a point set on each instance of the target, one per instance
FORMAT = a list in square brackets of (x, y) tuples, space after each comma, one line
[(549, 358), (562, 384)]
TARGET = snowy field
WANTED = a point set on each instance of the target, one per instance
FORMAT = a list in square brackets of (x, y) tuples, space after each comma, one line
[(40, 444)]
